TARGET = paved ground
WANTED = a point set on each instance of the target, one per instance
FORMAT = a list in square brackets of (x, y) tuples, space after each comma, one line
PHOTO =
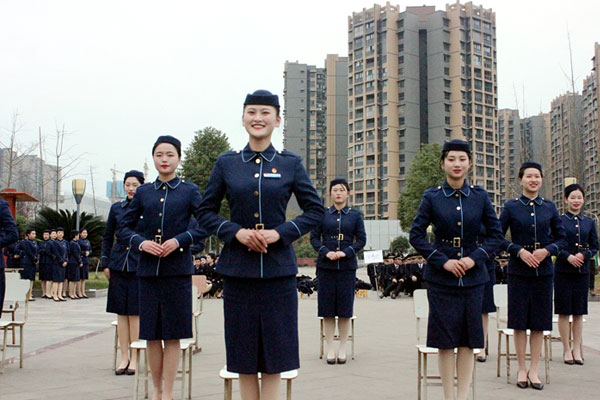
[(69, 354)]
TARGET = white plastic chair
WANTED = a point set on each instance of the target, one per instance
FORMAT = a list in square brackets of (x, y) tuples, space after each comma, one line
[(337, 337), (16, 291), (229, 377)]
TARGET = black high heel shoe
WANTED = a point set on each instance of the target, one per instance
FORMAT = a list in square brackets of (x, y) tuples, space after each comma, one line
[(569, 362), (536, 386), (122, 371), (523, 384)]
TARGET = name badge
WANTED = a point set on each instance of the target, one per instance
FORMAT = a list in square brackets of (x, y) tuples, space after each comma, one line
[(268, 175)]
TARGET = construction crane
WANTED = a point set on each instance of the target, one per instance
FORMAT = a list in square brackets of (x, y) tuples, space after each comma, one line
[(113, 194)]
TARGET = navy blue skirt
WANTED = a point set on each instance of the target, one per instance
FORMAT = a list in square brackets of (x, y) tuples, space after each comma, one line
[(165, 307), (45, 272), (530, 302), (335, 292), (455, 317), (58, 273), (489, 305), (73, 272), (261, 324), (123, 293), (571, 294), (85, 272), (28, 273)]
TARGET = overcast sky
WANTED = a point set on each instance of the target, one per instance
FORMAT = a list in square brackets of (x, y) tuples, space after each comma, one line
[(119, 73)]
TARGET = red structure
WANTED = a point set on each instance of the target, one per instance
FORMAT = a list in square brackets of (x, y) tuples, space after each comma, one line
[(12, 196)]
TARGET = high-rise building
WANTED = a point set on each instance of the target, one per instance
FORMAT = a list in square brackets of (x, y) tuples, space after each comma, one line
[(591, 135), (416, 77), (535, 142), (511, 152), (315, 118), (566, 135)]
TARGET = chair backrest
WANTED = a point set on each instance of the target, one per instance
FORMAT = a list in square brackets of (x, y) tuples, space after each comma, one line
[(16, 291), (421, 309), (501, 301)]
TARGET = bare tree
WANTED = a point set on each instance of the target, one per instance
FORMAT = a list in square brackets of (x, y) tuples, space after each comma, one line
[(66, 162), (16, 152)]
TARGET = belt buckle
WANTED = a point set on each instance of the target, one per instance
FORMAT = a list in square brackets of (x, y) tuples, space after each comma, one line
[(158, 239), (259, 227), (341, 236), (537, 246), (456, 242)]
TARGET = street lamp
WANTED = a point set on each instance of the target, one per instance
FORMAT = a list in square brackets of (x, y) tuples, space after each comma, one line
[(78, 186)]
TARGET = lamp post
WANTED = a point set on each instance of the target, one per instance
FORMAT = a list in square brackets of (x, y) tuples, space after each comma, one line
[(78, 186)]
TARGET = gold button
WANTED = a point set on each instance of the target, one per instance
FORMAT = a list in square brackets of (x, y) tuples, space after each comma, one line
[(458, 254), (256, 175), (256, 192), (338, 249), (164, 188), (160, 214), (458, 208), (575, 218), (338, 220), (577, 234), (576, 226), (257, 161), (127, 248), (456, 195), (532, 214), (161, 200), (458, 223), (576, 244), (256, 215), (180, 249), (158, 230)]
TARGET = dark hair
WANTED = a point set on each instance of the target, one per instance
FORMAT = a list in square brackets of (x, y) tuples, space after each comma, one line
[(530, 164), (29, 230), (275, 107), (211, 255), (573, 187), (339, 181), (445, 154), (83, 229)]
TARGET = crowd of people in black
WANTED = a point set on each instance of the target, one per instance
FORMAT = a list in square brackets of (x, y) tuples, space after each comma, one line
[(62, 266)]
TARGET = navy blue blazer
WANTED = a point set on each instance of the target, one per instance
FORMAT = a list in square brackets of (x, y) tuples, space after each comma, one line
[(160, 211), (117, 254), (45, 252), (457, 217), (85, 245), (258, 187), (8, 228), (10, 252), (61, 251), (29, 253), (581, 237), (74, 253), (534, 224), (341, 230)]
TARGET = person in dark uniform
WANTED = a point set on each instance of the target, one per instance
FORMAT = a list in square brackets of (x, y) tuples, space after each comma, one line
[(86, 252), (383, 272), (456, 268), (502, 269), (60, 251), (395, 277), (120, 264), (164, 209), (29, 259), (537, 233), (9, 234), (372, 276), (74, 264), (258, 264), (337, 240), (414, 273), (571, 280), (45, 266)]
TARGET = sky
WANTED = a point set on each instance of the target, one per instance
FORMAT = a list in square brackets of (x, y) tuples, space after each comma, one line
[(117, 74)]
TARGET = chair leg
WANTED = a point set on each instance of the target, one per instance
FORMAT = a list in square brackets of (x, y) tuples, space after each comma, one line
[(183, 362), (228, 389), (288, 395), (507, 359), (474, 378), (419, 375), (146, 373), (136, 380), (499, 355), (425, 376), (353, 338), (3, 351), (547, 345), (190, 374), (321, 339), (21, 346)]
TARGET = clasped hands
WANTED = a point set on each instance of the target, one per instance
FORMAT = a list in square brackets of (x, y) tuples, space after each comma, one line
[(160, 250), (459, 267), (257, 239), (576, 260), (335, 255), (533, 259)]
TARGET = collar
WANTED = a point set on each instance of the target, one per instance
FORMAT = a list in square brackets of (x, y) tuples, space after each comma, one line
[(525, 200), (465, 190), (570, 215), (345, 210), (125, 203), (268, 154), (172, 184)]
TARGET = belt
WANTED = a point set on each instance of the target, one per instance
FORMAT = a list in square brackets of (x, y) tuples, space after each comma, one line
[(158, 239), (259, 227), (457, 242), (337, 237), (535, 246)]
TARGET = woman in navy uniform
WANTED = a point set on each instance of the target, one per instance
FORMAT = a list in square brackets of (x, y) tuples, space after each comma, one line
[(29, 259), (488, 305), (120, 264), (536, 233), (9, 234), (45, 264), (456, 269), (258, 263), (74, 264), (86, 252), (157, 222), (337, 240), (61, 257), (571, 280)]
